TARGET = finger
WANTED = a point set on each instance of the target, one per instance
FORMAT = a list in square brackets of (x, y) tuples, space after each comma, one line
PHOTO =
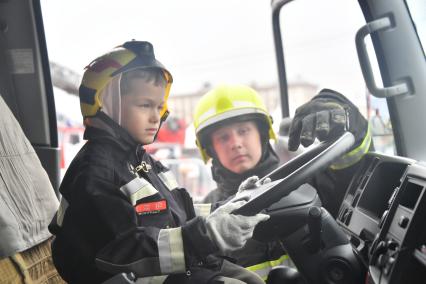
[(252, 180), (294, 135), (262, 217), (249, 183), (266, 180), (249, 222), (307, 135), (243, 197), (322, 126), (252, 221), (337, 122), (338, 116), (231, 206)]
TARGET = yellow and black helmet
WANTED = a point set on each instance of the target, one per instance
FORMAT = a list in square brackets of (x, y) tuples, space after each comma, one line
[(129, 56), (224, 104)]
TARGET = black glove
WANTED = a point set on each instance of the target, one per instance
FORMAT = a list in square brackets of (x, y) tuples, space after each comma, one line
[(326, 117)]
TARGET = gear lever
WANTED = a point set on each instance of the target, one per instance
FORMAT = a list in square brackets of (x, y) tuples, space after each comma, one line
[(314, 224)]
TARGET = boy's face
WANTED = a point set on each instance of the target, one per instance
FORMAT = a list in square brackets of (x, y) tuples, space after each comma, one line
[(237, 146), (140, 110)]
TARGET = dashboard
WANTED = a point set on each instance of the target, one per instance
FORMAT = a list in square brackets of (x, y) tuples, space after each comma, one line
[(383, 213)]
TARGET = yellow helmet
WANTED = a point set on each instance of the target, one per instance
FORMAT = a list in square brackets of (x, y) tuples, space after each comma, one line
[(225, 104), (129, 56)]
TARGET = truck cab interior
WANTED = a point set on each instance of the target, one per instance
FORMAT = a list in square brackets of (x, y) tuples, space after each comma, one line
[(384, 205), (378, 234)]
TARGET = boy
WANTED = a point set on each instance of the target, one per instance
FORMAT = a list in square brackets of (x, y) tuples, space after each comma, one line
[(233, 129), (121, 211)]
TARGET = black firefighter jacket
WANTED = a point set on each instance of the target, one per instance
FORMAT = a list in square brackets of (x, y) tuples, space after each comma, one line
[(120, 213)]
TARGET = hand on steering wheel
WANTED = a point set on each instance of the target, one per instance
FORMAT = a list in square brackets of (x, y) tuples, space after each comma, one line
[(252, 183), (326, 117)]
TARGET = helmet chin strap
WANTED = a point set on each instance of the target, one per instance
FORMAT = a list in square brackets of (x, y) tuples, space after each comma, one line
[(162, 119)]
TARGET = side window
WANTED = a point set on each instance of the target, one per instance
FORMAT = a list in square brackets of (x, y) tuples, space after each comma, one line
[(319, 49)]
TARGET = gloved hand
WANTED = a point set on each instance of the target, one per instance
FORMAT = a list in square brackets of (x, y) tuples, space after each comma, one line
[(326, 117), (252, 183), (228, 231)]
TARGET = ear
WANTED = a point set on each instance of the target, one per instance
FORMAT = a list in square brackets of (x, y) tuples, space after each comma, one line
[(210, 151)]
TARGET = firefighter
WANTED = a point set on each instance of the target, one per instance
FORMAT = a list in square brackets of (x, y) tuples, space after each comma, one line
[(233, 129), (123, 212)]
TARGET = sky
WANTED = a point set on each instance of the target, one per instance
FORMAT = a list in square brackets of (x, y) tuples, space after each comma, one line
[(198, 41)]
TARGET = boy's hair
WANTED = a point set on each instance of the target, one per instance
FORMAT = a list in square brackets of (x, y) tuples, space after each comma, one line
[(148, 75)]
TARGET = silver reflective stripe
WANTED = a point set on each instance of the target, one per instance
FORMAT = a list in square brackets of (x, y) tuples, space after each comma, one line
[(202, 209), (168, 179), (235, 105), (138, 188), (61, 211), (152, 280), (355, 155), (212, 119), (170, 250), (207, 114)]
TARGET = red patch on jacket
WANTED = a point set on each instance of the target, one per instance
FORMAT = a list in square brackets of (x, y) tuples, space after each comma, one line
[(151, 207)]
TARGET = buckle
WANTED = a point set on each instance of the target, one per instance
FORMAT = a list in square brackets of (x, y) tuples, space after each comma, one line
[(143, 167)]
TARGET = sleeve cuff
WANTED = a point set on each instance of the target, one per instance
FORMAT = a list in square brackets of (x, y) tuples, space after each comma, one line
[(195, 239), (355, 155)]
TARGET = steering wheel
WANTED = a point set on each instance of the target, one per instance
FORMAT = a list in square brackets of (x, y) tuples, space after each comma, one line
[(294, 173)]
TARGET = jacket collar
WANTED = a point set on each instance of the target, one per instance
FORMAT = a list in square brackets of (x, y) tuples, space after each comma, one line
[(104, 128), (229, 181)]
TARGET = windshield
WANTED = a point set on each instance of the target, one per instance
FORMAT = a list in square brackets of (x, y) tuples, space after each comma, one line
[(320, 52)]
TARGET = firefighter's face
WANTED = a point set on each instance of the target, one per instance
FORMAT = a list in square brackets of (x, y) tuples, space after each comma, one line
[(237, 146), (140, 110)]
